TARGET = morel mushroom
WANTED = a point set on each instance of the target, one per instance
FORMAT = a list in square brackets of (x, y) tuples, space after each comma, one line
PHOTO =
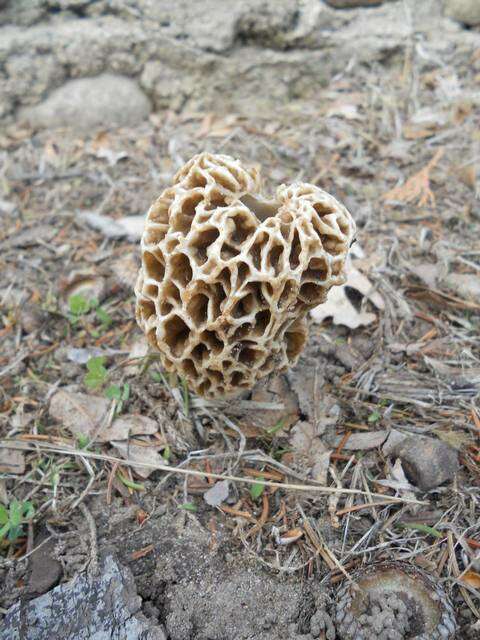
[(227, 277), (394, 601)]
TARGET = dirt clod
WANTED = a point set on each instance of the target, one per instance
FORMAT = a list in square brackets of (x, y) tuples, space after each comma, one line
[(427, 463)]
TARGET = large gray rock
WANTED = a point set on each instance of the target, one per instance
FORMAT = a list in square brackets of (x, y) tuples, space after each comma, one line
[(100, 607), (205, 55), (88, 103), (22, 12), (465, 11)]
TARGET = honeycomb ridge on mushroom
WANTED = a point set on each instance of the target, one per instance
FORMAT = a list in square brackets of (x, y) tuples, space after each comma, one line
[(227, 277)]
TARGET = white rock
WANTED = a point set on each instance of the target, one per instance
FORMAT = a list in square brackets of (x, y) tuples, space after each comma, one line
[(88, 103)]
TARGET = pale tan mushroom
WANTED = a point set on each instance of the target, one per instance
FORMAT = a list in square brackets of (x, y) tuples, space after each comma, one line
[(227, 277)]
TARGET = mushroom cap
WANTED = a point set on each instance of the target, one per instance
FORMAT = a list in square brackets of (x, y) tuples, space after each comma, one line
[(227, 277), (393, 601)]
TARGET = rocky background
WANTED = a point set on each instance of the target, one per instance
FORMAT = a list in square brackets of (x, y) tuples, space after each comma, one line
[(103, 62)]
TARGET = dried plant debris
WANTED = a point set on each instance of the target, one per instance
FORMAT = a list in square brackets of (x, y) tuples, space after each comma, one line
[(143, 452), (93, 418), (345, 304), (310, 452), (227, 276)]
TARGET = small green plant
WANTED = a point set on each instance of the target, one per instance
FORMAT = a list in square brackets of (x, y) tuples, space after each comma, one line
[(136, 486), (119, 394), (374, 417), (97, 373), (166, 453), (278, 426), (257, 489), (55, 478), (104, 317), (188, 506), (423, 528), (278, 453), (82, 440), (13, 519), (78, 306)]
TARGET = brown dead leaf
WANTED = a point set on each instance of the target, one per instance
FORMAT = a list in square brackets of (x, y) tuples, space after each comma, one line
[(340, 307), (50, 153), (139, 453), (83, 415), (141, 516), (214, 127), (275, 390), (101, 147), (126, 426), (80, 413), (471, 578), (289, 536), (101, 139), (416, 132), (462, 110), (310, 453), (467, 175), (417, 187)]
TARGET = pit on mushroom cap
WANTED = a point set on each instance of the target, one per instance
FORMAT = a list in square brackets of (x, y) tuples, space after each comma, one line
[(228, 276)]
